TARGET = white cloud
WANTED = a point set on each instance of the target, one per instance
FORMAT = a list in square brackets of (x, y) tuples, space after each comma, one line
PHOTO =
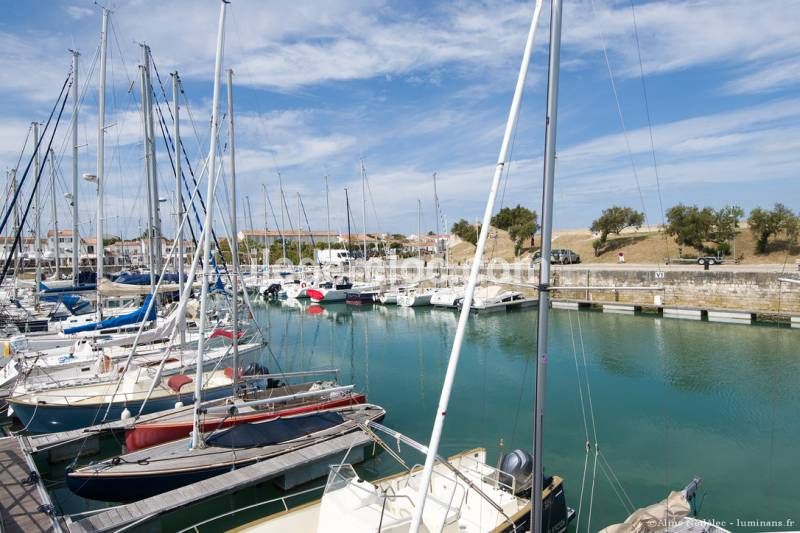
[(78, 12)]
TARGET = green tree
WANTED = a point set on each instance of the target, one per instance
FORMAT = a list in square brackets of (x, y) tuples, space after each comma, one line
[(520, 222), (465, 231), (766, 224), (726, 224), (690, 225), (614, 220)]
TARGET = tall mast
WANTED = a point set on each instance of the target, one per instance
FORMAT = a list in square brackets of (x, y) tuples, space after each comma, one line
[(455, 353), (151, 254), (54, 210), (349, 234), (197, 439), (544, 266), (153, 174), (16, 228), (266, 235), (101, 146), (235, 237), (283, 222), (299, 229), (364, 212), (328, 215), (436, 214), (76, 242), (176, 108), (37, 237), (419, 228)]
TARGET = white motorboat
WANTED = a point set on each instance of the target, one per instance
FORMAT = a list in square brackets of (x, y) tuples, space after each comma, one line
[(497, 298), (390, 296), (415, 298), (447, 297)]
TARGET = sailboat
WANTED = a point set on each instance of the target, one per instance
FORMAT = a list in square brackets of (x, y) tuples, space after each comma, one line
[(464, 492)]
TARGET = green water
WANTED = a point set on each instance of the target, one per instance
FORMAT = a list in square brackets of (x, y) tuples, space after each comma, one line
[(671, 399)]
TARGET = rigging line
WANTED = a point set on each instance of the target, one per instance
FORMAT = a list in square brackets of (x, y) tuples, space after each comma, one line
[(619, 113), (21, 182), (617, 481), (614, 487), (585, 423), (649, 120), (16, 167), (10, 256)]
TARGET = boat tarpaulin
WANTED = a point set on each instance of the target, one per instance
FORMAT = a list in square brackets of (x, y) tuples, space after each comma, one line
[(222, 332), (118, 321), (130, 278), (274, 431), (655, 517), (111, 288)]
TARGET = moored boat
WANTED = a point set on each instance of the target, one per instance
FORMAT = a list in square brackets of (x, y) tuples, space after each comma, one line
[(168, 466)]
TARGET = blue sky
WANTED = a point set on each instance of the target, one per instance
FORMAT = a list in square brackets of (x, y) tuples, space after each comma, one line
[(418, 87)]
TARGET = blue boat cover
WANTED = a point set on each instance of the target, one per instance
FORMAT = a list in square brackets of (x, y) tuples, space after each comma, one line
[(144, 279), (72, 302), (118, 321), (251, 435)]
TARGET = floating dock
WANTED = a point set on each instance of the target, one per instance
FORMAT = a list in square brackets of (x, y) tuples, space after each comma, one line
[(25, 505), (288, 470), (503, 306)]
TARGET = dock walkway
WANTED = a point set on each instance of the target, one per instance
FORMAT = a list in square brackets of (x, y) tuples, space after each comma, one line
[(150, 508), (24, 503)]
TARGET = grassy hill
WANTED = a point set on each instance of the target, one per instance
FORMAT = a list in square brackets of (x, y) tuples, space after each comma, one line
[(644, 246)]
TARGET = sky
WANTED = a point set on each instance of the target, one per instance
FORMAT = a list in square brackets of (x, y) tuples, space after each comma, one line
[(660, 102)]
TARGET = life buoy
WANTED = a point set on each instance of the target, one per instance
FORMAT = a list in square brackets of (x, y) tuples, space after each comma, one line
[(303, 285)]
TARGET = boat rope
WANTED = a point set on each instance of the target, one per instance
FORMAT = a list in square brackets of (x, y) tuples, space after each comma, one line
[(588, 444), (649, 119), (620, 115), (63, 98)]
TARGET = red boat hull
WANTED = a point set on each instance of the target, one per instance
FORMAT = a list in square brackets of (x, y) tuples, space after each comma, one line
[(149, 434)]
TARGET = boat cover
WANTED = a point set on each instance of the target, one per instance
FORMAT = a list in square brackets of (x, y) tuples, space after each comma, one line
[(112, 288), (118, 321), (130, 278), (256, 434), (656, 517)]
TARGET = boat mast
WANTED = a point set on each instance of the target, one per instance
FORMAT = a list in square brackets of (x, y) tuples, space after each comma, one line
[(349, 233), (146, 144), (299, 230), (75, 239), (283, 221), (419, 228), (364, 212), (153, 173), (455, 353), (328, 215), (544, 266), (101, 121), (234, 237), (436, 214), (178, 196), (16, 229), (266, 236), (54, 210), (37, 230), (197, 440)]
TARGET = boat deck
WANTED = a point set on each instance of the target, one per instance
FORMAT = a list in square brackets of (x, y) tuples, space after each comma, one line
[(24, 503), (150, 508)]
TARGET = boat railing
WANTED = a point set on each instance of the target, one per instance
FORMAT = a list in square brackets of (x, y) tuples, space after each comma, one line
[(488, 473), (281, 499)]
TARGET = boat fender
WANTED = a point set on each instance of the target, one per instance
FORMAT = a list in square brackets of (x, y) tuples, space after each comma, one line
[(126, 414), (178, 405), (303, 285)]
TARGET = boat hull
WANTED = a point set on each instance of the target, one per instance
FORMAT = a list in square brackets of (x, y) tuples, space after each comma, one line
[(146, 435), (45, 418)]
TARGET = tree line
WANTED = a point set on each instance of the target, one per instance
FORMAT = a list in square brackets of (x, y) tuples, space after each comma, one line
[(704, 229)]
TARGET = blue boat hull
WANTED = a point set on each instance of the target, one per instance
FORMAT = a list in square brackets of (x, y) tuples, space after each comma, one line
[(45, 418)]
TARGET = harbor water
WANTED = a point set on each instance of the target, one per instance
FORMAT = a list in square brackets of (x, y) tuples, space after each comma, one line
[(670, 400)]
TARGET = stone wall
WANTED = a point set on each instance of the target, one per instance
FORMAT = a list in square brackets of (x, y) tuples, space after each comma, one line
[(751, 291)]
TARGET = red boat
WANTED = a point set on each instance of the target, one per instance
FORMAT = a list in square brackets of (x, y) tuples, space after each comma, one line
[(265, 405)]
